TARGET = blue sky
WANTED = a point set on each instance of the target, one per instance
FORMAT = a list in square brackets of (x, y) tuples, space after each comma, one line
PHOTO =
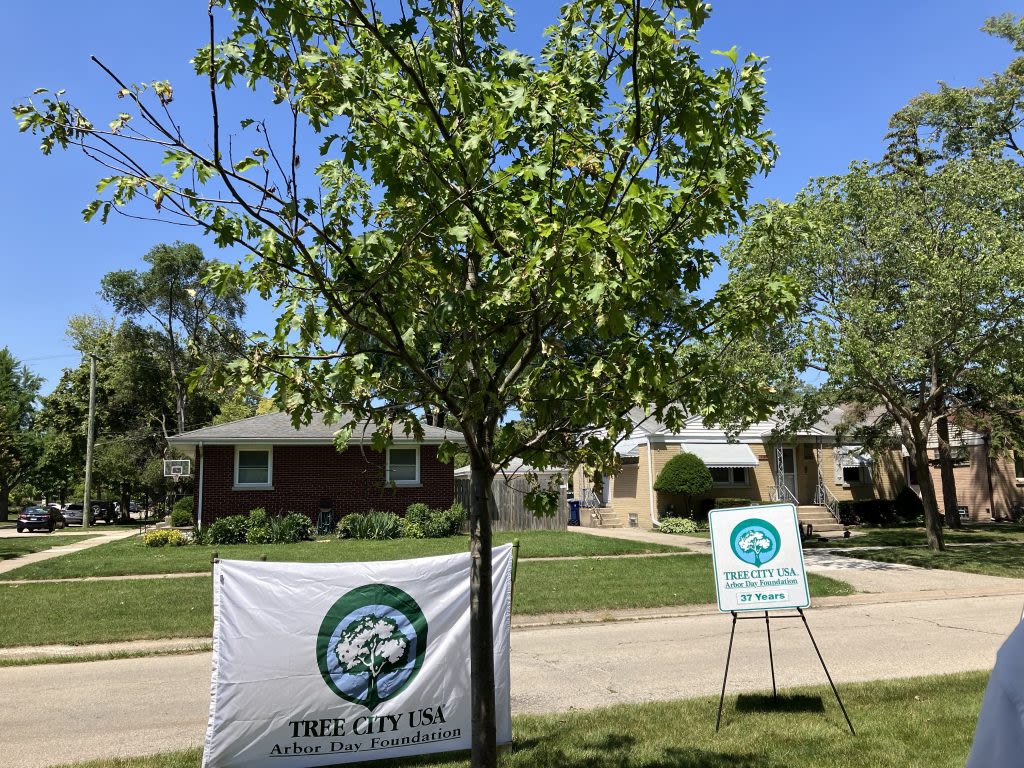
[(836, 72)]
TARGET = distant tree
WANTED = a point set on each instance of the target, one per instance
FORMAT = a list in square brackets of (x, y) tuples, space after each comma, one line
[(20, 445), (685, 475), (172, 297)]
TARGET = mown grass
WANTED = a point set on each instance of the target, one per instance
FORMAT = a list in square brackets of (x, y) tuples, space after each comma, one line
[(103, 611), (130, 556), (915, 537), (11, 548), (987, 559), (925, 722)]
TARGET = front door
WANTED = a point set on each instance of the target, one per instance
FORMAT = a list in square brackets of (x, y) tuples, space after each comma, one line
[(788, 477)]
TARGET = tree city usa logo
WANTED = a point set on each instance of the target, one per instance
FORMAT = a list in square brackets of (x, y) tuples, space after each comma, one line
[(371, 644), (755, 541)]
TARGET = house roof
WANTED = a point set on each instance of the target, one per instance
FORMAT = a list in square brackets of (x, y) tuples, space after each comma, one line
[(277, 429), (515, 467)]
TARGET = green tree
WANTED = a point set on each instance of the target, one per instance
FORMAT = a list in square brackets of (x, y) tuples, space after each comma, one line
[(20, 445), (912, 287), (982, 120), (172, 296), (686, 475), (483, 233)]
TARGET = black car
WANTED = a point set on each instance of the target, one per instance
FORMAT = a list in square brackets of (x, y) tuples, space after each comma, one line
[(38, 518)]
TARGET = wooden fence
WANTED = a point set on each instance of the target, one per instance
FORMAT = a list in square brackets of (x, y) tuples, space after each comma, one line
[(509, 512)]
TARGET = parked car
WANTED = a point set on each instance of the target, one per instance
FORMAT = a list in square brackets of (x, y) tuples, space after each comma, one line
[(40, 518), (101, 510)]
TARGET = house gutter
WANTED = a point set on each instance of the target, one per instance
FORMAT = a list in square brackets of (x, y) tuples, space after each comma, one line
[(650, 483), (199, 513)]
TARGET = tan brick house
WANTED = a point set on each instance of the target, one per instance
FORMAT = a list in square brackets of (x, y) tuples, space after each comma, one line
[(807, 468)]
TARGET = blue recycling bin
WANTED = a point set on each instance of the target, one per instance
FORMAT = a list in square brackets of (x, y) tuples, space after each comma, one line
[(574, 511)]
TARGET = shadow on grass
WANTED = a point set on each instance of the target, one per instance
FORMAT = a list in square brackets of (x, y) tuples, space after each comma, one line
[(797, 703)]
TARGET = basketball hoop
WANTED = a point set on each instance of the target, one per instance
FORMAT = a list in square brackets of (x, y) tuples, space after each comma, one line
[(176, 469)]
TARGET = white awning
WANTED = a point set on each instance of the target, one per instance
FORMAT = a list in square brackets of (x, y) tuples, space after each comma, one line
[(723, 454)]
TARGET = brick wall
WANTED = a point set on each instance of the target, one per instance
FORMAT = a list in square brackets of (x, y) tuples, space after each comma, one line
[(303, 475)]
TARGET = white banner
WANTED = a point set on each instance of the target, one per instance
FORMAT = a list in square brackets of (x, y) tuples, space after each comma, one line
[(343, 662), (758, 558)]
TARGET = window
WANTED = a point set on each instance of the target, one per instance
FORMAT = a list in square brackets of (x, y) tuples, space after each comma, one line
[(852, 474), (729, 475), (254, 467), (403, 466), (1018, 467)]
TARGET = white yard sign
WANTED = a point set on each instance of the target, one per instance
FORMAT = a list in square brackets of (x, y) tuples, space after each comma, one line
[(758, 558), (344, 662)]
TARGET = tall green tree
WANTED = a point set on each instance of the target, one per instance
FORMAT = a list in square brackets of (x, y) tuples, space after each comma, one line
[(196, 326), (482, 233), (983, 120), (912, 287), (20, 445)]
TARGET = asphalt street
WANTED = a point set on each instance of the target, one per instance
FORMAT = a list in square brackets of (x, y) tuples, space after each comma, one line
[(147, 705)]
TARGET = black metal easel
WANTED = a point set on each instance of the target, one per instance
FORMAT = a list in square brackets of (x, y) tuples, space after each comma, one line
[(771, 661)]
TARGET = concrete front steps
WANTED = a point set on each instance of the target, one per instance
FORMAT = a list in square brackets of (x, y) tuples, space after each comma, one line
[(818, 517), (601, 517)]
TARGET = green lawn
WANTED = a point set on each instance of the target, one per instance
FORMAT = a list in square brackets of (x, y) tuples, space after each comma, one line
[(909, 537), (923, 722), (12, 548), (129, 556), (988, 559), (102, 611)]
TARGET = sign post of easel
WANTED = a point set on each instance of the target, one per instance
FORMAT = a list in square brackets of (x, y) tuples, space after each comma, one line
[(759, 568)]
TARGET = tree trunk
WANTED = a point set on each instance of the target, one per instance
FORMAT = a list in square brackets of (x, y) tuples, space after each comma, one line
[(932, 520), (5, 493), (484, 752), (946, 472)]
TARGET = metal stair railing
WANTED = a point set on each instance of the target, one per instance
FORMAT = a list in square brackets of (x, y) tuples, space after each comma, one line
[(823, 496)]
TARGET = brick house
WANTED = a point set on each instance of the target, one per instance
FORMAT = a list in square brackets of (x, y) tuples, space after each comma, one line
[(807, 468), (264, 461)]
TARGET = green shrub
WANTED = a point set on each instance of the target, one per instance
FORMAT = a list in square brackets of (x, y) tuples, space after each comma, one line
[(164, 537), (411, 530), (229, 530), (726, 503), (181, 512), (685, 475), (258, 528), (868, 512), (372, 525), (908, 505), (678, 525), (291, 528)]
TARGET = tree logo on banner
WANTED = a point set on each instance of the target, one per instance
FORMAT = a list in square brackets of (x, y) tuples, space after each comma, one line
[(755, 541), (371, 644)]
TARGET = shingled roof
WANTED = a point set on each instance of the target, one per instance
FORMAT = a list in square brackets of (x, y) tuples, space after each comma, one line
[(277, 429)]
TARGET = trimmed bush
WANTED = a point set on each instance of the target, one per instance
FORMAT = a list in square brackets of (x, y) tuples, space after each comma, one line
[(421, 522), (164, 537), (868, 512), (373, 525), (725, 503), (678, 525), (258, 529), (908, 505), (229, 530), (181, 512), (685, 475)]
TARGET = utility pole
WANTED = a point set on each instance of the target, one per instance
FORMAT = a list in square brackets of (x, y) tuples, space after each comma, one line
[(87, 502)]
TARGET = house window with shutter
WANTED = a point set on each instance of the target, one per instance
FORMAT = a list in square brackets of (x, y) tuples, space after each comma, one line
[(852, 466)]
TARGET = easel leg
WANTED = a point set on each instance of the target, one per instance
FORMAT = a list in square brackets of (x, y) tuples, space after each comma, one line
[(721, 700), (771, 659), (822, 660)]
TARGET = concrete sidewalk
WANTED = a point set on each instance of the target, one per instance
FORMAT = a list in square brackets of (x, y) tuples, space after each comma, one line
[(102, 536)]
